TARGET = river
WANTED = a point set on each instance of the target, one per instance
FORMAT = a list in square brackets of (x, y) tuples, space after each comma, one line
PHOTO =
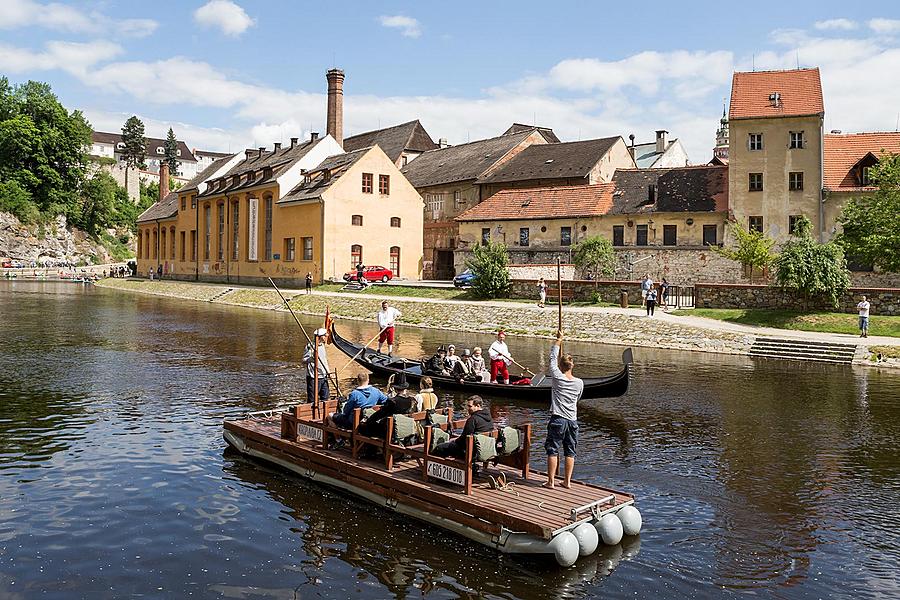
[(774, 478)]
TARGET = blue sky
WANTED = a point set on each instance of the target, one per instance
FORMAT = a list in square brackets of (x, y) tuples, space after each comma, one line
[(229, 74)]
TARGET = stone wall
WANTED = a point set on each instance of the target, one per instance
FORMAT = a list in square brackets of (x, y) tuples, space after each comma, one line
[(53, 241), (875, 279), (583, 290), (885, 301), (535, 272)]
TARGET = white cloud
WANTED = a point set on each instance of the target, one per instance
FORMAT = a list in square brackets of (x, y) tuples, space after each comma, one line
[(72, 57), (224, 15), (887, 26), (61, 17), (836, 24), (408, 26)]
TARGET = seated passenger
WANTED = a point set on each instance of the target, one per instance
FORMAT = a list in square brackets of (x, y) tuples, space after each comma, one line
[(426, 399), (479, 421), (401, 403), (478, 365), (364, 396), (435, 365), (451, 359)]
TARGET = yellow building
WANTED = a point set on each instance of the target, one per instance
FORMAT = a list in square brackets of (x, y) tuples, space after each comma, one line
[(284, 213), (775, 148)]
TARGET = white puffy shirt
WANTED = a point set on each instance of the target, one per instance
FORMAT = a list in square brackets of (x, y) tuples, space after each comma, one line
[(497, 349), (386, 317)]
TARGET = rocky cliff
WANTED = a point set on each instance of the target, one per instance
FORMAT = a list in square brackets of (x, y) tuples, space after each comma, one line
[(53, 241)]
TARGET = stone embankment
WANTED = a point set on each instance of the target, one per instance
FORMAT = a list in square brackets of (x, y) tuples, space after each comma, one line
[(586, 324)]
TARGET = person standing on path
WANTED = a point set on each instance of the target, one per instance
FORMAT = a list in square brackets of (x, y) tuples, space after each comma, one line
[(309, 282), (651, 301), (664, 294), (863, 308), (542, 292), (309, 359), (562, 430), (500, 359), (387, 316), (646, 286)]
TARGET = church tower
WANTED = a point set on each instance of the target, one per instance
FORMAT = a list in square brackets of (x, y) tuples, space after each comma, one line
[(721, 149)]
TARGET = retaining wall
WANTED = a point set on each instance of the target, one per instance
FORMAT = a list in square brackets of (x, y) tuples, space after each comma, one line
[(885, 301)]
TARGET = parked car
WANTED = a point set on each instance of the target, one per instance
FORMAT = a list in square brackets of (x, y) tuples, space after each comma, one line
[(371, 273), (464, 279), (7, 264)]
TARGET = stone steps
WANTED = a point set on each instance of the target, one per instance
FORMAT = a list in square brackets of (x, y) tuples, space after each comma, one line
[(220, 294), (829, 352)]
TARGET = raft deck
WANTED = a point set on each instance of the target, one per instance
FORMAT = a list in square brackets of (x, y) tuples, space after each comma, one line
[(487, 514)]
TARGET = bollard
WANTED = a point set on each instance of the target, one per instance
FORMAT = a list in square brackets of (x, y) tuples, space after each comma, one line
[(623, 298)]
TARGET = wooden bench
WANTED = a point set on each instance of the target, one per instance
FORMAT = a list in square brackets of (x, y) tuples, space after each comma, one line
[(395, 448), (459, 471), (297, 420), (568, 294)]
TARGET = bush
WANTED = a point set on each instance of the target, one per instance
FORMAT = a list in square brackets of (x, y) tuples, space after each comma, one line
[(490, 265), (16, 200), (595, 257), (812, 269)]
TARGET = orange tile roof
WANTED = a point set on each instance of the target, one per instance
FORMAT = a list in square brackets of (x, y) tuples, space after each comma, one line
[(544, 203), (843, 151), (800, 93)]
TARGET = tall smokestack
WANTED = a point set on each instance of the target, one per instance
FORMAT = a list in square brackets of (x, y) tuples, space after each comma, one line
[(335, 124), (163, 180)]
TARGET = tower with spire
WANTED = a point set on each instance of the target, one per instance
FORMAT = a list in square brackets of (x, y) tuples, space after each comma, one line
[(721, 149)]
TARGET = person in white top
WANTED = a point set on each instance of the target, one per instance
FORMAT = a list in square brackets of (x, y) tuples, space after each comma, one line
[(500, 359), (386, 318), (863, 308)]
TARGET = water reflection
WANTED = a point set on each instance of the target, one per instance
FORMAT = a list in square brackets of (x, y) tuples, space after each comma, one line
[(768, 477)]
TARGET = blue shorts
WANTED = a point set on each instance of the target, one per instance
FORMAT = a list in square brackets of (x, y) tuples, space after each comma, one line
[(561, 431), (342, 420), (863, 323)]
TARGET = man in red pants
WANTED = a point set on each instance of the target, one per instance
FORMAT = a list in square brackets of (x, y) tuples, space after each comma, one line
[(500, 359)]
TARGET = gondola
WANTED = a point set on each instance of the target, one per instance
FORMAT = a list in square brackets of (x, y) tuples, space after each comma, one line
[(538, 390)]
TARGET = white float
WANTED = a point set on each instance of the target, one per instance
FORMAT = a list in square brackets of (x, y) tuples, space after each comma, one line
[(565, 548), (588, 538), (631, 520), (610, 529)]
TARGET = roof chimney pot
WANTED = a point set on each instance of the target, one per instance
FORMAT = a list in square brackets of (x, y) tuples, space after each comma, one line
[(261, 150), (277, 146), (313, 136), (248, 153), (661, 140), (294, 142)]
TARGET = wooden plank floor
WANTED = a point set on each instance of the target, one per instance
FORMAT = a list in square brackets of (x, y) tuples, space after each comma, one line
[(524, 506)]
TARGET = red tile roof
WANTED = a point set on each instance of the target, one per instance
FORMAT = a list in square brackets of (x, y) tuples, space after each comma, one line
[(843, 151), (800, 92), (543, 203)]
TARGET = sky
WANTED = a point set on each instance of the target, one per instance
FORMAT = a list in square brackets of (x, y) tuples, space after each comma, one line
[(231, 74)]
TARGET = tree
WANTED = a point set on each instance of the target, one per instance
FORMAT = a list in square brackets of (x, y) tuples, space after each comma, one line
[(16, 200), (98, 207), (135, 150), (751, 248), (42, 147), (595, 256), (812, 269), (872, 223), (171, 149), (490, 263)]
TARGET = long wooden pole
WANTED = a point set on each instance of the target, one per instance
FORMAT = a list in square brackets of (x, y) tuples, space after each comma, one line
[(559, 288), (363, 349)]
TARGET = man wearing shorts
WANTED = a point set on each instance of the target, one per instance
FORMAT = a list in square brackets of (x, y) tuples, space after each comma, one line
[(562, 430), (386, 318)]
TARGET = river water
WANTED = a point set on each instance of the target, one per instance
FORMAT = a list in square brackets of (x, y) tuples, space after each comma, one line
[(778, 479)]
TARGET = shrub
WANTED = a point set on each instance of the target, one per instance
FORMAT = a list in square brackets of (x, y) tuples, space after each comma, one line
[(595, 256), (490, 264), (812, 269)]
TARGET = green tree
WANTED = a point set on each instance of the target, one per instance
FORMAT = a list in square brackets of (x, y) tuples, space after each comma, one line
[(812, 269), (872, 223), (16, 200), (752, 249), (98, 206), (135, 151), (490, 263), (43, 147), (595, 256), (171, 149)]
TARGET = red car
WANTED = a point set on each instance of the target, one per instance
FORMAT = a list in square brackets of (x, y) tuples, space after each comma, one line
[(371, 274)]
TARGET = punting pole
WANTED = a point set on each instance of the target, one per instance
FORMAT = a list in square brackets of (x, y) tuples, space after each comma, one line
[(559, 292), (364, 348)]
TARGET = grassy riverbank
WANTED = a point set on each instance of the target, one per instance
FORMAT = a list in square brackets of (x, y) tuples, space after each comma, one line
[(823, 322)]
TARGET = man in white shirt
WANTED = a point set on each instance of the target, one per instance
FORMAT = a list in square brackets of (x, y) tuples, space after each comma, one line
[(500, 359), (386, 318), (863, 308), (314, 358)]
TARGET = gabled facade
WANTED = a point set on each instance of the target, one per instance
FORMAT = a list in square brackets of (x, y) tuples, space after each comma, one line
[(662, 153), (447, 180), (775, 149), (110, 145), (402, 143)]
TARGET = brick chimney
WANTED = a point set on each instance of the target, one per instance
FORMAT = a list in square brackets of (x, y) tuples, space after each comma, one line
[(163, 180), (335, 121), (661, 140)]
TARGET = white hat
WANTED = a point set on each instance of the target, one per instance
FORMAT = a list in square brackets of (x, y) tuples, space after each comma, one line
[(320, 332)]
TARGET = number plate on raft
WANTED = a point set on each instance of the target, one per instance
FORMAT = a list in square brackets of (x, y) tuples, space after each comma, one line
[(312, 433), (447, 473)]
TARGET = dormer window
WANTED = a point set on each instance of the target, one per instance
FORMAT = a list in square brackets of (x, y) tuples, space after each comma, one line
[(267, 172), (177, 152), (865, 176), (775, 99), (120, 146), (235, 179), (160, 150)]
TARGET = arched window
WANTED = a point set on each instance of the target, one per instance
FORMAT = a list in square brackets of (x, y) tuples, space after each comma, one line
[(356, 256), (267, 204), (155, 245), (356, 220), (147, 244), (395, 221), (140, 248), (162, 243), (395, 261), (172, 242)]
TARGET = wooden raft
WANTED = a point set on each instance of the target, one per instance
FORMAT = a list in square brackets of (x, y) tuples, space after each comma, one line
[(524, 507)]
